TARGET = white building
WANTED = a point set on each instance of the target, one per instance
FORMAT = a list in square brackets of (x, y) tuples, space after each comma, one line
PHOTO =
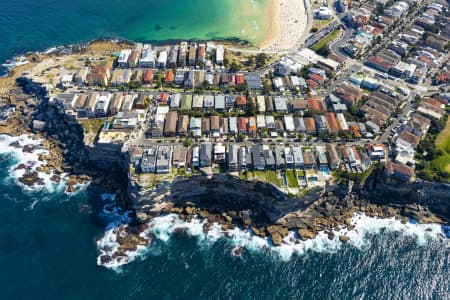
[(162, 59), (122, 61), (323, 13), (260, 121), (102, 104), (289, 123), (147, 58), (219, 54)]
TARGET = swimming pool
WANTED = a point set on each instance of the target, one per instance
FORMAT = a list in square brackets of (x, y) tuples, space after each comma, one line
[(325, 171), (283, 179)]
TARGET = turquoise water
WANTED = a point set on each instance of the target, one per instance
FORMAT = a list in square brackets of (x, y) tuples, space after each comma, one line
[(29, 25)]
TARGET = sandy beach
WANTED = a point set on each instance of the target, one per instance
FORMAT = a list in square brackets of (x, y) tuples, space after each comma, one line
[(288, 25)]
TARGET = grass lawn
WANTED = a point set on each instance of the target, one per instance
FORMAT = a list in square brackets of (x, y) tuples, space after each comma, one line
[(273, 178), (319, 24), (323, 42), (300, 173), (261, 175), (291, 179), (92, 125), (443, 143)]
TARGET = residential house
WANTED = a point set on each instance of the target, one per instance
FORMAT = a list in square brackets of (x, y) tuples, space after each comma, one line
[(170, 127), (233, 158), (269, 159), (183, 125), (333, 156), (163, 159), (148, 160), (310, 125), (233, 126), (321, 124), (258, 160), (399, 171), (98, 76), (281, 104), (179, 156), (205, 155), (195, 127), (102, 104)]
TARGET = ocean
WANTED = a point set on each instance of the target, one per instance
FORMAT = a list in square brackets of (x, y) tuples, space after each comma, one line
[(49, 246), (29, 25)]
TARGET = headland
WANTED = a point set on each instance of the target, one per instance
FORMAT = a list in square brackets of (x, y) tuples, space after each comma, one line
[(281, 145)]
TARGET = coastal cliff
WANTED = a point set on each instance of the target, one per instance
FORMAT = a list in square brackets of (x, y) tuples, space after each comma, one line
[(230, 201), (64, 138), (225, 199)]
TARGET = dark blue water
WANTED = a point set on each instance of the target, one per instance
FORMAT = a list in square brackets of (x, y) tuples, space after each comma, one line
[(48, 251)]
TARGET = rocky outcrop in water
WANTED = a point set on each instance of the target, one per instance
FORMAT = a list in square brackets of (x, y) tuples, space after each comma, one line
[(269, 212)]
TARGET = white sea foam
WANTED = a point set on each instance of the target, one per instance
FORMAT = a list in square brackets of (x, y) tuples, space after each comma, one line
[(30, 159), (112, 212), (162, 228)]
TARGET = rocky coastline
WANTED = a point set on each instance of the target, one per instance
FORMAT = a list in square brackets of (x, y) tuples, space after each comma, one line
[(66, 156), (269, 213), (223, 199)]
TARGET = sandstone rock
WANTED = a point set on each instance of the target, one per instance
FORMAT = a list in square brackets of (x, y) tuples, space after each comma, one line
[(176, 210), (31, 179), (330, 235), (189, 210), (306, 234), (55, 178), (284, 231), (105, 259), (258, 231), (245, 214), (277, 239), (274, 228), (227, 218), (344, 238), (20, 167), (237, 251), (70, 188)]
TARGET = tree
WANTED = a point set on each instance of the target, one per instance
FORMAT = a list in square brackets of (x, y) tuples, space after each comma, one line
[(250, 60), (261, 60), (234, 67), (250, 109), (187, 142), (266, 88)]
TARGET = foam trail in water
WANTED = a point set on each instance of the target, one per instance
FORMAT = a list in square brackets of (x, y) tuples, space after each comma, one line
[(162, 228)]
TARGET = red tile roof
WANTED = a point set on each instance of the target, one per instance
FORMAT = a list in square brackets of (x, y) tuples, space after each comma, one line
[(169, 76), (240, 79), (317, 78), (242, 123), (333, 125), (317, 105), (409, 137), (310, 124), (311, 83), (241, 100), (148, 75)]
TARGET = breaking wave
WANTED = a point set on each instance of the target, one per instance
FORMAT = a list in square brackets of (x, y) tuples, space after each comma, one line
[(164, 227), (24, 152)]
